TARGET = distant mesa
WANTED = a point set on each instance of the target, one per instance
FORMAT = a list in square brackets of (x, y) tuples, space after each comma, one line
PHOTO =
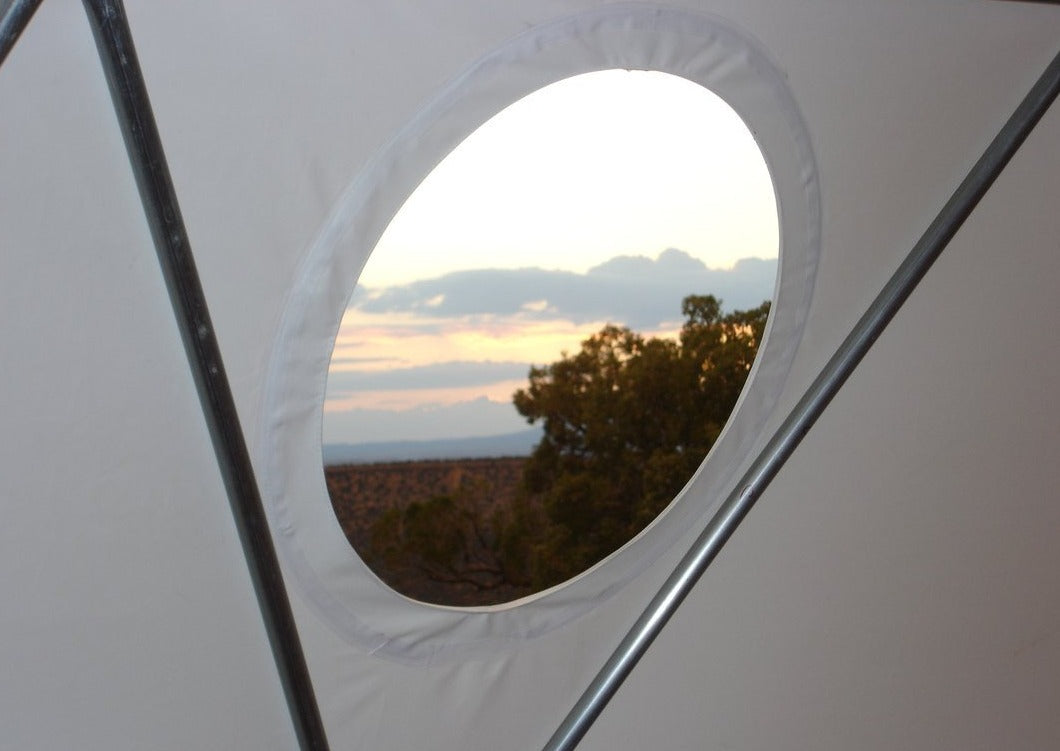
[(477, 447)]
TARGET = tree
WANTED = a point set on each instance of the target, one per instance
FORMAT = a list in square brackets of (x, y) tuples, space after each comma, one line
[(449, 538), (627, 420)]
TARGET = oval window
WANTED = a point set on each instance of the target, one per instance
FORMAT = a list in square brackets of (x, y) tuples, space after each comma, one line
[(549, 337)]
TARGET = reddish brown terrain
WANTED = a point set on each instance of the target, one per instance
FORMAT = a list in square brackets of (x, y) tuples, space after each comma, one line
[(361, 493)]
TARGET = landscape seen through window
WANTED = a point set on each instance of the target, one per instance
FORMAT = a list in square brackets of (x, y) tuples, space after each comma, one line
[(549, 337)]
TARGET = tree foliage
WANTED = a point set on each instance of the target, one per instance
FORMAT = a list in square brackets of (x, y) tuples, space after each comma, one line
[(626, 421), (449, 538)]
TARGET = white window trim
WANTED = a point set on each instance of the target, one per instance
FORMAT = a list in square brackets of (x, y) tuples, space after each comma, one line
[(333, 579)]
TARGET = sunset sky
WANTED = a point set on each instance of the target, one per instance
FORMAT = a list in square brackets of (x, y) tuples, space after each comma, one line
[(602, 198)]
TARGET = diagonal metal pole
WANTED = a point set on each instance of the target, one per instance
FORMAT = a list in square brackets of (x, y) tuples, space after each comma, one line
[(14, 17), (129, 94), (798, 423)]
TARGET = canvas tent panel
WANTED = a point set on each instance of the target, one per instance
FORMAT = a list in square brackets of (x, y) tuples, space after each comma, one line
[(897, 586), (921, 637), (127, 610), (340, 586)]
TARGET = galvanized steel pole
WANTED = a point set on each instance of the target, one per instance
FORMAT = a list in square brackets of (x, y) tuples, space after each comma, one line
[(14, 18), (129, 93), (798, 423)]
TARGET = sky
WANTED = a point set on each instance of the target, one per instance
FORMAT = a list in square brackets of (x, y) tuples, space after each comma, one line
[(606, 197)]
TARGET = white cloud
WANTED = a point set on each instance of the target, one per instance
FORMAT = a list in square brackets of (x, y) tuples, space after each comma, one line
[(535, 306)]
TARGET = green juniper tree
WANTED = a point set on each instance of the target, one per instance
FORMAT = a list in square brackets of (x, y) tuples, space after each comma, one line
[(626, 421)]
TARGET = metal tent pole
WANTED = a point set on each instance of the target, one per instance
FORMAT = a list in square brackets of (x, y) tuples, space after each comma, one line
[(14, 18), (798, 423), (129, 94)]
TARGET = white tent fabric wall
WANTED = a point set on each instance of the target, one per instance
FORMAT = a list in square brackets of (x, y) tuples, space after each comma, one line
[(335, 580), (898, 586)]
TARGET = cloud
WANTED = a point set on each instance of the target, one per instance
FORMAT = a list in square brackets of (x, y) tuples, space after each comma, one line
[(672, 264), (637, 291), (339, 359), (434, 376), (441, 357)]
